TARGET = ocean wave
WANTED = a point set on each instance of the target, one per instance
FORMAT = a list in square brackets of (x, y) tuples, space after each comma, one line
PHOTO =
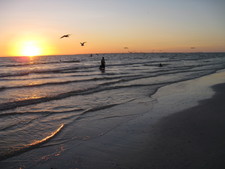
[(28, 113), (122, 78), (106, 86), (89, 68), (39, 63), (39, 71), (34, 144)]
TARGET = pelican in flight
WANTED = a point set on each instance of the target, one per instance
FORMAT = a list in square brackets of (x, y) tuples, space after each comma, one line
[(82, 43), (65, 36)]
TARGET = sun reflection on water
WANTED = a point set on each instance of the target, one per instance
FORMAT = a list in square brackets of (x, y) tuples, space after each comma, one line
[(29, 97)]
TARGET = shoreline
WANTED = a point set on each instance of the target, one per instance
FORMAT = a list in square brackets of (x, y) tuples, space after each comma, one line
[(190, 139), (154, 140), (171, 134)]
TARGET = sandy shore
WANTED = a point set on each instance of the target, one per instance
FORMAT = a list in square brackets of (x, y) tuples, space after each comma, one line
[(183, 128), (189, 139)]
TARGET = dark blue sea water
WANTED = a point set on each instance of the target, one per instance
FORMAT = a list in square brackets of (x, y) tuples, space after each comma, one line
[(43, 96)]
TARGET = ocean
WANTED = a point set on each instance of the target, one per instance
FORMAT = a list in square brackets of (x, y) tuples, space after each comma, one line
[(43, 99)]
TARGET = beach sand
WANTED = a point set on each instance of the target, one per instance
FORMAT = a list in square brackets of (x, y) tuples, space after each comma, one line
[(183, 128), (190, 139)]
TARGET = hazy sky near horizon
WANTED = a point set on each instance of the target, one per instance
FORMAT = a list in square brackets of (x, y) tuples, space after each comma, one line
[(111, 25)]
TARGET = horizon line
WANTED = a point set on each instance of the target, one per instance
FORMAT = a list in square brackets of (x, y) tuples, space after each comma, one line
[(114, 53)]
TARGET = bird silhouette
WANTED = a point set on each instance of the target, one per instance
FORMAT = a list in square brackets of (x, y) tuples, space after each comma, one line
[(82, 43), (65, 36)]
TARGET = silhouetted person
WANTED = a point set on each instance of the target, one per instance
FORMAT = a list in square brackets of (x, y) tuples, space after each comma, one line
[(102, 66), (160, 65)]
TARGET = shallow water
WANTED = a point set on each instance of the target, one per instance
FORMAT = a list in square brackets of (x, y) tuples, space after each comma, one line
[(43, 96)]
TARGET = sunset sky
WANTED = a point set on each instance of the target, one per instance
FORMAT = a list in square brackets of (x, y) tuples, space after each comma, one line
[(34, 27)]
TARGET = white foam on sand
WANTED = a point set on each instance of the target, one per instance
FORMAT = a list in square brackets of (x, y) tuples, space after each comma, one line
[(183, 95)]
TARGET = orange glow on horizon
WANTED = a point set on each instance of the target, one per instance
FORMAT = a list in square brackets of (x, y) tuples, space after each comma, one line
[(30, 46)]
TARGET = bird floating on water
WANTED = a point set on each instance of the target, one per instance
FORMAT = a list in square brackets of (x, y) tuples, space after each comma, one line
[(65, 36), (82, 43)]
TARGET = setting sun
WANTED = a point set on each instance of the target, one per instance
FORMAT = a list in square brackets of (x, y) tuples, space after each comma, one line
[(30, 49), (26, 46)]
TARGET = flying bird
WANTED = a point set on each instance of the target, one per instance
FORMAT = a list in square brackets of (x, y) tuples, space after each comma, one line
[(82, 43), (65, 36)]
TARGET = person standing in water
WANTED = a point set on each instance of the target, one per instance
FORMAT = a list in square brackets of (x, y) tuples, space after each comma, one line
[(102, 66)]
